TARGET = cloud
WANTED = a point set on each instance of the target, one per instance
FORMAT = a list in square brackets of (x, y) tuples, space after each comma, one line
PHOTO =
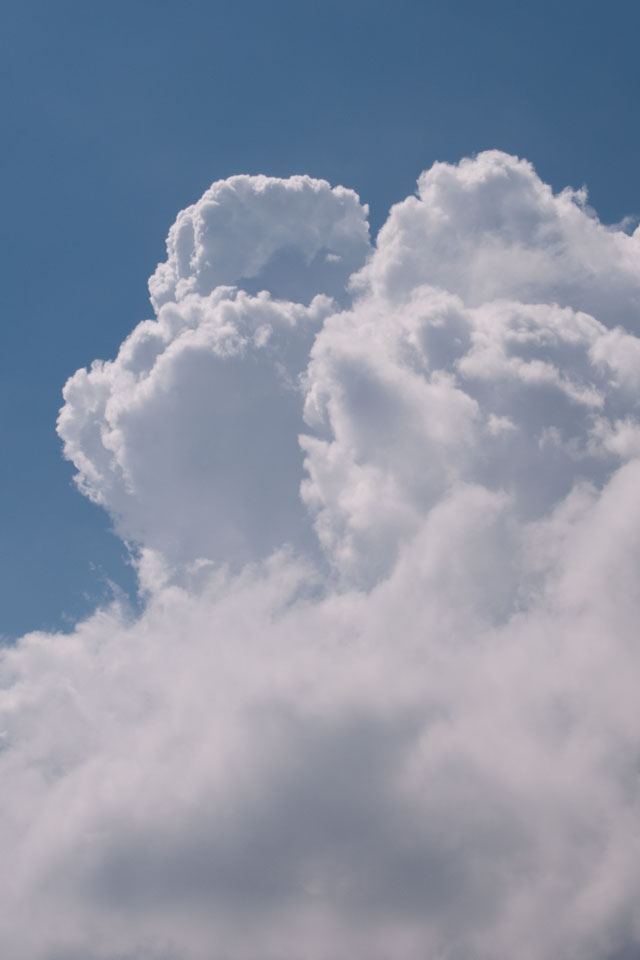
[(294, 237), (381, 701), (189, 437)]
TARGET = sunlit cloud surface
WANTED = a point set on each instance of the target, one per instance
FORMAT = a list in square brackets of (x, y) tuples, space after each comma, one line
[(381, 701)]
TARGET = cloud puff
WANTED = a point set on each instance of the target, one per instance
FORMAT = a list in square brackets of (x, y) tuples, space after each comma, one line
[(490, 229), (189, 437), (381, 701), (294, 237)]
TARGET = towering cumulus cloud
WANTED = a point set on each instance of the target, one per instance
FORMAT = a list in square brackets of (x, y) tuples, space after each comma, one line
[(381, 701)]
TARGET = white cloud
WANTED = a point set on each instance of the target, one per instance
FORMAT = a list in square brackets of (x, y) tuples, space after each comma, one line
[(489, 228), (414, 733), (189, 438), (294, 237)]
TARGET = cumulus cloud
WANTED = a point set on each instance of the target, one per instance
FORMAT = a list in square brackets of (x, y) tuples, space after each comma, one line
[(189, 438), (381, 701), (293, 237)]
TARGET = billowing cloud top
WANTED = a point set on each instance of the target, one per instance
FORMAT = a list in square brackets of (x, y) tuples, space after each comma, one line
[(294, 237), (189, 437), (381, 700)]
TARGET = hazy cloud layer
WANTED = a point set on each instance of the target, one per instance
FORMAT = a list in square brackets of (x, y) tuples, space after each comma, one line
[(382, 699)]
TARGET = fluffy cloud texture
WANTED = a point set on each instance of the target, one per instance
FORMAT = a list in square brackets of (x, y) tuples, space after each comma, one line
[(381, 701)]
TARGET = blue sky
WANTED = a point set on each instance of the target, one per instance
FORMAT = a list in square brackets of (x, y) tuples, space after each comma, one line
[(116, 115)]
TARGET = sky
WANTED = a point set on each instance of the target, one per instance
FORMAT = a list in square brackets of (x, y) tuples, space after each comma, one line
[(118, 115), (321, 534)]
